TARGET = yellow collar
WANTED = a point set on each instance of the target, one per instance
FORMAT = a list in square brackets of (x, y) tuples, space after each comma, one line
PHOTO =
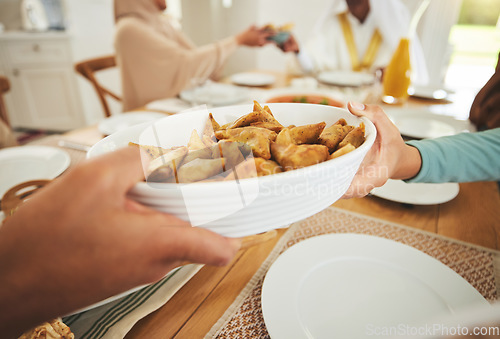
[(371, 51)]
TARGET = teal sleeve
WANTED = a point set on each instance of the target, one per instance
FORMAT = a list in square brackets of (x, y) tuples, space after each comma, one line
[(463, 157)]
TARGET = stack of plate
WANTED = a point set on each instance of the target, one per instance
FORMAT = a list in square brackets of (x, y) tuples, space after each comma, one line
[(214, 94), (122, 121), (346, 78), (253, 79), (247, 206)]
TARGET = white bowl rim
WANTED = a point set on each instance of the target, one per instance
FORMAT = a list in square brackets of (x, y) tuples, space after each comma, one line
[(370, 139), (275, 92)]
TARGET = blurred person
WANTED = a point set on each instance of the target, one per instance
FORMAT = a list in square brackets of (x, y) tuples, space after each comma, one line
[(463, 157), (7, 137), (358, 35), (485, 110), (80, 240), (157, 60)]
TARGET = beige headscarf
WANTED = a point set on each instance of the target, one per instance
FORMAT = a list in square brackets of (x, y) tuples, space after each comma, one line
[(156, 60), (149, 12)]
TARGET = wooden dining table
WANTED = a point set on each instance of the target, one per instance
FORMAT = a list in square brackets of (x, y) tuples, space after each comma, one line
[(472, 217)]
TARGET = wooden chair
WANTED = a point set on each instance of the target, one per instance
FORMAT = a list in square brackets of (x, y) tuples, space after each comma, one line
[(88, 68), (4, 88)]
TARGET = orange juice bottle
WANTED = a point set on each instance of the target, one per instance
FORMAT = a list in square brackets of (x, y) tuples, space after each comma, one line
[(396, 80)]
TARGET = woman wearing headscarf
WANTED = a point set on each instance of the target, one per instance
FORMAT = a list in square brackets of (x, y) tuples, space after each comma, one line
[(158, 61), (359, 35)]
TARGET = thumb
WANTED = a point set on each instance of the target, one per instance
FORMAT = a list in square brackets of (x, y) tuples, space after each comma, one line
[(358, 109)]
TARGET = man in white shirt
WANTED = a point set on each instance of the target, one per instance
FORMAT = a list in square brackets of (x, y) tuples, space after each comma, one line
[(358, 35)]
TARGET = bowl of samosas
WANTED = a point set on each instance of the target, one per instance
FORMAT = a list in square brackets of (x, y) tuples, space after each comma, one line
[(246, 169)]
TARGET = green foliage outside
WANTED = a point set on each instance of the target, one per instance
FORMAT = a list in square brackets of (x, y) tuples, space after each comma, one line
[(479, 12), (477, 45), (476, 37)]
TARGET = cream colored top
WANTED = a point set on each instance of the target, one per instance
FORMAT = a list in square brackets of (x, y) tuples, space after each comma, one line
[(7, 138), (158, 61)]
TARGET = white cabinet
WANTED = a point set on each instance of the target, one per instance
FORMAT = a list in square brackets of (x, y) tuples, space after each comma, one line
[(44, 92)]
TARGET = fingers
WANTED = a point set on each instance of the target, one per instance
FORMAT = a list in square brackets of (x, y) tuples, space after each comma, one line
[(364, 182), (385, 127), (121, 168), (197, 245)]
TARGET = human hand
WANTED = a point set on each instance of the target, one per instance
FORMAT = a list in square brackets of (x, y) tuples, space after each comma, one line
[(253, 36), (80, 240), (389, 158), (290, 45)]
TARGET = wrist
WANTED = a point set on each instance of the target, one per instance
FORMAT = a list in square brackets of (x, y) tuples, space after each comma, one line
[(239, 39), (408, 163)]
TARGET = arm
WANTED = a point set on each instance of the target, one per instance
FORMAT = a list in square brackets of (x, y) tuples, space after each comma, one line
[(459, 158), (485, 110), (156, 66), (253, 37), (80, 240), (145, 50), (463, 157)]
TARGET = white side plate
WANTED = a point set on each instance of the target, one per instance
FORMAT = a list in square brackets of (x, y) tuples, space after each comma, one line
[(417, 193), (346, 78), (422, 123), (25, 163), (253, 79), (429, 92)]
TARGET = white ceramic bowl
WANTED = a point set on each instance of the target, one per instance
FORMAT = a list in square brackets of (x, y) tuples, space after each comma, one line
[(248, 206)]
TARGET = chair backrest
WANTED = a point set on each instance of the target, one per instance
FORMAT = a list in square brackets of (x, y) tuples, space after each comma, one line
[(88, 68), (4, 88)]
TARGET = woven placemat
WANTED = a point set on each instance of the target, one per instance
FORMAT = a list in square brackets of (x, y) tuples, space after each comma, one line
[(479, 266)]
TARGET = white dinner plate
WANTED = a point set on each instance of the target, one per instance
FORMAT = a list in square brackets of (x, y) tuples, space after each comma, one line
[(215, 94), (25, 163), (349, 285), (421, 123), (346, 78), (122, 121), (253, 79), (417, 193)]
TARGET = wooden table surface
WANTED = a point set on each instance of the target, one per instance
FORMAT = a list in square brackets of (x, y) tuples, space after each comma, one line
[(473, 217)]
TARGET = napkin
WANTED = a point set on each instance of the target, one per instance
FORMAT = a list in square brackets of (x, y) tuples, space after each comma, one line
[(114, 319)]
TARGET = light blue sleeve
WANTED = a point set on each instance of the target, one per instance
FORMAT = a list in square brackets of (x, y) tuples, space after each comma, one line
[(463, 157)]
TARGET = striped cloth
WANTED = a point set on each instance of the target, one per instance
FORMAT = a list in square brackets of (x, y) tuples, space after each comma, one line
[(114, 319)]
